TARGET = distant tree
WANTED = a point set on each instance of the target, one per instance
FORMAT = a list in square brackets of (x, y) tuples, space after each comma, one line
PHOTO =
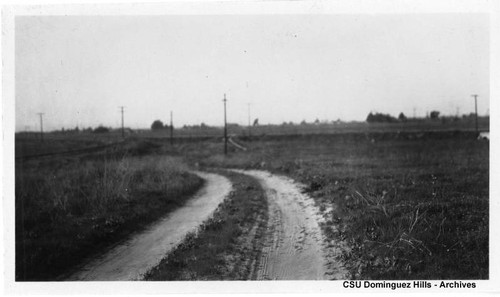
[(77, 129), (157, 125), (316, 122), (101, 129), (402, 117), (303, 123), (380, 118), (434, 114)]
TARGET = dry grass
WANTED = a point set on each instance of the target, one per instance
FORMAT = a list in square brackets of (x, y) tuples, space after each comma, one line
[(409, 205), (69, 211)]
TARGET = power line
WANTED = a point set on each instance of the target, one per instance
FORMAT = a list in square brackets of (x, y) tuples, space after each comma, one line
[(249, 127), (123, 130), (225, 125), (41, 125), (171, 128), (475, 104)]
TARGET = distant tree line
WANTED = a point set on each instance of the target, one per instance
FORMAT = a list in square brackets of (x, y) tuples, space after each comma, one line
[(99, 129), (387, 118), (158, 125)]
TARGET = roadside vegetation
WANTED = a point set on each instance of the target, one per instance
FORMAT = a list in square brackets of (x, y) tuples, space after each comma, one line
[(400, 205), (406, 205), (69, 208), (227, 246)]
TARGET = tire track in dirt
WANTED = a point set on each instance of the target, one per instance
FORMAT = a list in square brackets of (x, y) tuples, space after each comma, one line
[(131, 259), (294, 245)]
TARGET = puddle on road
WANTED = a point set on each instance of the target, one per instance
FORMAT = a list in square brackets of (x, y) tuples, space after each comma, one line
[(132, 259)]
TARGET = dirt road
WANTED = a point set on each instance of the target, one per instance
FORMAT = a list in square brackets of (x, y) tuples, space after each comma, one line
[(133, 258), (294, 244)]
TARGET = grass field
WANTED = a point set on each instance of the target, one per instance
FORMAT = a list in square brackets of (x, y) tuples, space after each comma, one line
[(68, 208), (409, 205), (29, 144)]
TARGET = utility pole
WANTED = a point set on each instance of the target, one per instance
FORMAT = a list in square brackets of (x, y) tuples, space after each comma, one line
[(123, 131), (225, 126), (41, 126), (171, 128), (475, 104), (249, 127)]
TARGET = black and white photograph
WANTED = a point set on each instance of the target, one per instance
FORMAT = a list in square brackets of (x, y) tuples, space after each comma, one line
[(206, 143)]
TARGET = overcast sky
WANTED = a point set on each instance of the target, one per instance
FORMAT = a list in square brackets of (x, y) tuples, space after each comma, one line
[(79, 69)]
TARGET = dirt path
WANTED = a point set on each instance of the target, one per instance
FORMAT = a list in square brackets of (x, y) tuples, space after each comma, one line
[(294, 243), (133, 258)]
